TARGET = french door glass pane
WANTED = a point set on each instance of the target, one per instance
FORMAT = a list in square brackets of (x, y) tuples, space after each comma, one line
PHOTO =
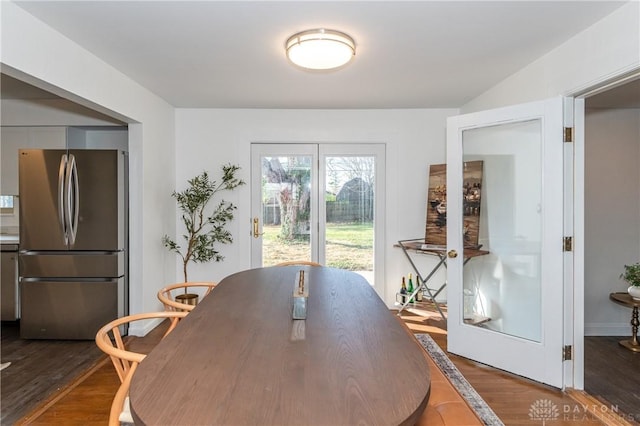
[(349, 212), (286, 208), (502, 290)]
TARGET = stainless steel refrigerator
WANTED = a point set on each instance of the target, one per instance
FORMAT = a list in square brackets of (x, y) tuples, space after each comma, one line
[(73, 241)]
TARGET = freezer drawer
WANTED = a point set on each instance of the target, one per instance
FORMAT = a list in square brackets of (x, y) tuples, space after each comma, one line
[(67, 310), (34, 264)]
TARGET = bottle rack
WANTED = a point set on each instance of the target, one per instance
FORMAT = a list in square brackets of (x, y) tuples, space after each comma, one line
[(429, 293)]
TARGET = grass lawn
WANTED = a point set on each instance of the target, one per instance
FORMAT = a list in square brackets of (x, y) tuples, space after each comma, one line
[(349, 246)]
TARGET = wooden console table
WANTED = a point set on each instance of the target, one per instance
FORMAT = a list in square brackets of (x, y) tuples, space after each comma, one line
[(625, 299)]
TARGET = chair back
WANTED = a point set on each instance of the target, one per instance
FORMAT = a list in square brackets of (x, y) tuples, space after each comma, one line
[(167, 295), (120, 413), (109, 340)]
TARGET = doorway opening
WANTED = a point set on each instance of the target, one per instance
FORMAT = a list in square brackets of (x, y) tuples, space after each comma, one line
[(611, 240)]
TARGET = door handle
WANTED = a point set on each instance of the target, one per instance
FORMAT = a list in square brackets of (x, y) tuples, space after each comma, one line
[(452, 254), (256, 228), (62, 171), (73, 199), (76, 199)]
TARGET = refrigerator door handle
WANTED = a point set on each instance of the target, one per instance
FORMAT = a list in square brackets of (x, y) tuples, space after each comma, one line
[(62, 173), (73, 199)]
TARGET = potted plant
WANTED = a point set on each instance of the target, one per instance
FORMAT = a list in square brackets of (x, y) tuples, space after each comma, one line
[(631, 275), (204, 230)]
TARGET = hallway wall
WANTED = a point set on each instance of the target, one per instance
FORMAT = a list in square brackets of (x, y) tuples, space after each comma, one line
[(612, 214)]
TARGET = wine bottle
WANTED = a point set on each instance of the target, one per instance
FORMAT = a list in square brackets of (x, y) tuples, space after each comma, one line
[(410, 288), (403, 291)]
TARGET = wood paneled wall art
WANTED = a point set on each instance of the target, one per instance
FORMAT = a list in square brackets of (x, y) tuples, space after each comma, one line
[(436, 225)]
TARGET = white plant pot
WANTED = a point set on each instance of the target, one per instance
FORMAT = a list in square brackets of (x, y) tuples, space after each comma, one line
[(634, 291)]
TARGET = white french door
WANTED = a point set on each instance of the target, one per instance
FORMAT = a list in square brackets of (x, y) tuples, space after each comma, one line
[(283, 179), (319, 202), (506, 307)]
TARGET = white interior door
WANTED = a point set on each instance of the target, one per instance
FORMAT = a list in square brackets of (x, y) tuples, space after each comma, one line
[(506, 306)]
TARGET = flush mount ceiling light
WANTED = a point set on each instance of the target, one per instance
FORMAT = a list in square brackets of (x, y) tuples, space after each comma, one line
[(320, 49)]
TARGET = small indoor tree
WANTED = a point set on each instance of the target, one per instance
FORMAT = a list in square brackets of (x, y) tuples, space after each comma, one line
[(204, 231)]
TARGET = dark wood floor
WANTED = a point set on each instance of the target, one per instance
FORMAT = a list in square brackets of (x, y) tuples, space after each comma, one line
[(82, 398), (88, 400), (612, 373), (511, 396), (39, 368)]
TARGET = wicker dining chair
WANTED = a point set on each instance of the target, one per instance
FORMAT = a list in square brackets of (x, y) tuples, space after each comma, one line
[(120, 412), (109, 340), (170, 297)]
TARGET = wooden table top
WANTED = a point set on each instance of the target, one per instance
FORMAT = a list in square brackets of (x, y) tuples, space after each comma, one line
[(234, 359), (416, 245), (625, 299)]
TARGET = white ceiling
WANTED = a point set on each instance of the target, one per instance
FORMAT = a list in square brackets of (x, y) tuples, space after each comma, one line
[(229, 54)]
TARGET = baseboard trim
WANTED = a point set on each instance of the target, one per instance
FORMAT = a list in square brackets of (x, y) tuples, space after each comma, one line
[(138, 329), (607, 329)]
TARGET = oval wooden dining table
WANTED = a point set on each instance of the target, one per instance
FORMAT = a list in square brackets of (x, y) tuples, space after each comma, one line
[(239, 359)]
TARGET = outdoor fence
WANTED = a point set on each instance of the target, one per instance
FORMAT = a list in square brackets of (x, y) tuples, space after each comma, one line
[(337, 212)]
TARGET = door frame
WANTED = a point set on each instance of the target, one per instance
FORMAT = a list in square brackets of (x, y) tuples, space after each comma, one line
[(575, 378)]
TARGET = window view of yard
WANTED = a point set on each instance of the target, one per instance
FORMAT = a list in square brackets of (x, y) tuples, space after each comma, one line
[(348, 210), (348, 246)]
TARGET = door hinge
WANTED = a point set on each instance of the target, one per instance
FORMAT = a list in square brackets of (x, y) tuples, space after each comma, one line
[(567, 244), (567, 353), (568, 134)]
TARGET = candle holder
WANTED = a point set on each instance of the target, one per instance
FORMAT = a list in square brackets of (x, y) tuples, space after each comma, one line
[(300, 295)]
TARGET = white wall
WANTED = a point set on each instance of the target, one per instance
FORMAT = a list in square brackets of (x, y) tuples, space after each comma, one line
[(612, 214), (608, 48), (34, 52), (207, 138)]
